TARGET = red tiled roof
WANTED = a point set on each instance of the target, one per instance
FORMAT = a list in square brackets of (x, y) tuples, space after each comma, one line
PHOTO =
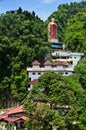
[(33, 81), (24, 118), (47, 63), (9, 119), (18, 109), (35, 63), (4, 114)]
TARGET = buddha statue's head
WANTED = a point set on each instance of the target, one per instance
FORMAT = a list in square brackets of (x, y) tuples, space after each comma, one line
[(53, 20)]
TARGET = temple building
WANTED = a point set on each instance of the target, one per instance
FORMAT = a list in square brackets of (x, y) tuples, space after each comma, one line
[(64, 61)]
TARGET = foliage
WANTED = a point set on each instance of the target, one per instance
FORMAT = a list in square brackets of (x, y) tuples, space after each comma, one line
[(80, 70), (70, 19), (52, 102), (23, 38), (75, 32)]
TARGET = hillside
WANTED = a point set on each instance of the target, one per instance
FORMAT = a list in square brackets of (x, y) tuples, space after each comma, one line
[(71, 20), (23, 38)]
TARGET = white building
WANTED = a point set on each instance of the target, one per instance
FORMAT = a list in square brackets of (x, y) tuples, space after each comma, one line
[(64, 64), (70, 57), (64, 61)]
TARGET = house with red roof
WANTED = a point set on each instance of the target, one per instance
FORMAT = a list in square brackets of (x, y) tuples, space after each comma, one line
[(16, 115)]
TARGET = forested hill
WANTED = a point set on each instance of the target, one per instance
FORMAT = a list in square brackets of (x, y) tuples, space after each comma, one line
[(23, 38), (71, 20)]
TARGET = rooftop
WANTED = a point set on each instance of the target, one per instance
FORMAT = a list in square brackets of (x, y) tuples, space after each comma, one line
[(35, 63), (47, 62)]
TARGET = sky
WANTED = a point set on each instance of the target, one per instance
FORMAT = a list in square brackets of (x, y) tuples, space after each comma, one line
[(42, 8)]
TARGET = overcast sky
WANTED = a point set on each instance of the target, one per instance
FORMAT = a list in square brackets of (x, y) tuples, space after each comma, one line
[(42, 8)]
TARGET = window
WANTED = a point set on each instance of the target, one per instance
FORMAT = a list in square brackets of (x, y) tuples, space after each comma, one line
[(65, 66), (30, 79), (39, 73), (60, 72), (33, 73), (29, 86), (66, 72), (71, 62)]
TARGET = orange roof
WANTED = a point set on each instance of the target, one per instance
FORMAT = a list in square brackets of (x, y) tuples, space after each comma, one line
[(35, 63)]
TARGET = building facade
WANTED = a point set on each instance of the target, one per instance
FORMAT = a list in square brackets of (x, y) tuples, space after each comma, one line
[(64, 61)]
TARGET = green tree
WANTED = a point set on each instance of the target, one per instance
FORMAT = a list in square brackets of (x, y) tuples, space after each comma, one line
[(63, 13), (46, 103), (80, 70), (74, 34), (19, 86), (20, 33)]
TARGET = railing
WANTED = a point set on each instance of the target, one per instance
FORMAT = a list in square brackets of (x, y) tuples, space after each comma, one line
[(50, 68)]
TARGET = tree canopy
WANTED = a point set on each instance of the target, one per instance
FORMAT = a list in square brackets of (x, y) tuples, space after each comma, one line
[(54, 102), (23, 38), (74, 34), (70, 19), (80, 70)]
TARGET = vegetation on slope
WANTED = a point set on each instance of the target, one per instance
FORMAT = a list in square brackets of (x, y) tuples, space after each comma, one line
[(23, 38), (70, 19), (56, 101)]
